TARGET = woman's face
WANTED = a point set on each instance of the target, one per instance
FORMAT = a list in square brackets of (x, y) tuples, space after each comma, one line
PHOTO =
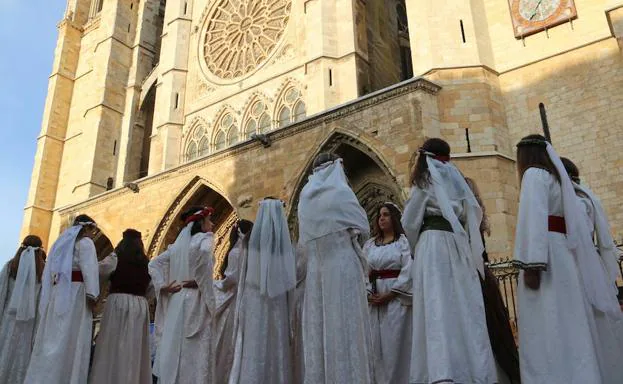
[(207, 225), (385, 220)]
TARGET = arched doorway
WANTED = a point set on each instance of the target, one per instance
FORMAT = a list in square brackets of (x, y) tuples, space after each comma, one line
[(103, 245), (369, 177), (197, 193)]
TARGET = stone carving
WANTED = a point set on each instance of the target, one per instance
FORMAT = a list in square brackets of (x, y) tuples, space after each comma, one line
[(242, 34)]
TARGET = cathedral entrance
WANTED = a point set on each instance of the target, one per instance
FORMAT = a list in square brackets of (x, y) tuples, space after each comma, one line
[(369, 177), (197, 193)]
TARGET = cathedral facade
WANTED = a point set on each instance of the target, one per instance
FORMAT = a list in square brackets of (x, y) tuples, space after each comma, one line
[(156, 105)]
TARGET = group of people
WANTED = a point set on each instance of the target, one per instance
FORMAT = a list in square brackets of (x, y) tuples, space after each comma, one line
[(411, 301)]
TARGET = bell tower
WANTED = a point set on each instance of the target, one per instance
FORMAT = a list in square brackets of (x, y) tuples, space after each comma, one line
[(104, 49)]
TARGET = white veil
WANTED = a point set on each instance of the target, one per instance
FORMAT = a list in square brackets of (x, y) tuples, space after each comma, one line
[(270, 260), (327, 205), (449, 184), (605, 243), (24, 296), (597, 286), (57, 270), (173, 319)]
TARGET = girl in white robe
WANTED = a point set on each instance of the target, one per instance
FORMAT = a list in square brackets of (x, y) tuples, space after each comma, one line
[(262, 325), (225, 291), (442, 222), (69, 290), (122, 352), (20, 283), (609, 326), (556, 338), (389, 296), (297, 298), (185, 303), (336, 326)]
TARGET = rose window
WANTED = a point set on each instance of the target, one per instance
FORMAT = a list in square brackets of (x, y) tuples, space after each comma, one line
[(241, 34)]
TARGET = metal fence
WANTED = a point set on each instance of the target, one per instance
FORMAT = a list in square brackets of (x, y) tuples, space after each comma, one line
[(507, 276)]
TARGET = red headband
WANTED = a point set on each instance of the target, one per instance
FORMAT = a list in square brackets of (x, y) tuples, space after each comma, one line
[(208, 211), (442, 158)]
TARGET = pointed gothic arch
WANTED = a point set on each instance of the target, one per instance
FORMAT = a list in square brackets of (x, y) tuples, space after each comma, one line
[(256, 117), (290, 105), (198, 192), (371, 178)]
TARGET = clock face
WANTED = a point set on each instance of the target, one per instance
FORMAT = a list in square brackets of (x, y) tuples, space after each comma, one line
[(533, 16), (538, 10)]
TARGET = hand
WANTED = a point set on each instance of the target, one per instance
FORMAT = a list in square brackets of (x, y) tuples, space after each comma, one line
[(171, 288), (532, 279), (372, 298), (382, 299), (189, 284)]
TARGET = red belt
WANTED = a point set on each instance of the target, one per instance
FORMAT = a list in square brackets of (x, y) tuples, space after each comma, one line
[(384, 274), (556, 224), (76, 276)]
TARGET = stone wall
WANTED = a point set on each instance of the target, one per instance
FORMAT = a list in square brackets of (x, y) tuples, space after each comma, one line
[(388, 124)]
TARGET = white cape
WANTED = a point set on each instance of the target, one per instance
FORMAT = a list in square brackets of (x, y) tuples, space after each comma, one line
[(63, 341)]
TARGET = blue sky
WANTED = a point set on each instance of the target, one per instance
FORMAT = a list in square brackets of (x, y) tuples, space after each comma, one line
[(27, 40)]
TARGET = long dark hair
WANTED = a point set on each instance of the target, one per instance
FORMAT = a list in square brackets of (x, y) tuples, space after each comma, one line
[(84, 219), (131, 248), (421, 175), (245, 227), (324, 157), (29, 241), (196, 228), (395, 215), (532, 153), (572, 169)]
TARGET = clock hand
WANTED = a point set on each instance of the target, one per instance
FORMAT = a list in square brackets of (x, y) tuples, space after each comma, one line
[(536, 9)]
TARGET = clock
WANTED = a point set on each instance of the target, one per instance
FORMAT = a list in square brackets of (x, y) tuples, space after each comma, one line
[(533, 16)]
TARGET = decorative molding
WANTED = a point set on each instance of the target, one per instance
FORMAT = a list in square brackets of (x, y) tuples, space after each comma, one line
[(310, 122)]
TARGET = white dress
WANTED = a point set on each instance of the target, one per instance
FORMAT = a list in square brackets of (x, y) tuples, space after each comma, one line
[(225, 291), (16, 337), (188, 358), (450, 339), (556, 344), (336, 325), (63, 342), (262, 336), (391, 323), (122, 353), (297, 299), (608, 331)]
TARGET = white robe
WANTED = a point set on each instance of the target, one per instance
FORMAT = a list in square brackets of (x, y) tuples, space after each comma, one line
[(16, 337), (336, 325), (63, 342), (556, 342), (608, 330), (262, 336), (297, 299), (225, 292), (190, 363), (450, 339), (391, 323), (122, 353)]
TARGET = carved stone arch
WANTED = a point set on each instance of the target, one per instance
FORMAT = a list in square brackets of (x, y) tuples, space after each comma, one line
[(217, 126), (283, 102), (194, 123), (198, 192), (249, 114), (372, 194), (365, 167)]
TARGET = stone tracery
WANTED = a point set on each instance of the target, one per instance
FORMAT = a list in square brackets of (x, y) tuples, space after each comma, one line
[(242, 34)]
